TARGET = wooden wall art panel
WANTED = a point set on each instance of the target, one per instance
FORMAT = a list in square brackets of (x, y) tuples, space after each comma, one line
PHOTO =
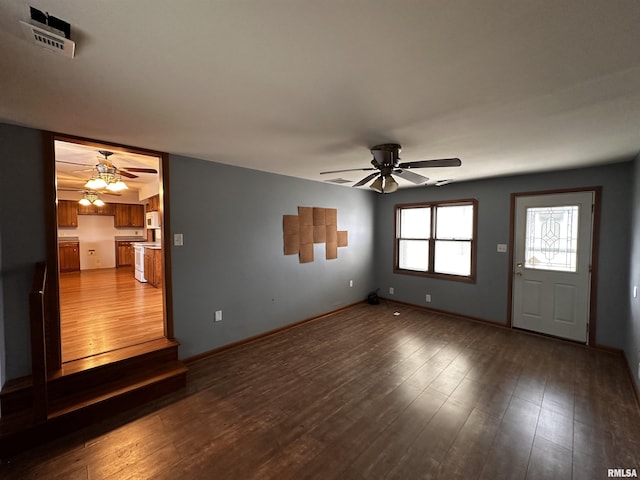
[(313, 225)]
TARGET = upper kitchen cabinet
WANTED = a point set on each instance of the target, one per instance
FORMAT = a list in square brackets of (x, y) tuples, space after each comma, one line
[(67, 213), (154, 204), (106, 209), (128, 215)]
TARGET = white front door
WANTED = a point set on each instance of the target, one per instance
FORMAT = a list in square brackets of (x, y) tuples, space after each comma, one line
[(552, 264)]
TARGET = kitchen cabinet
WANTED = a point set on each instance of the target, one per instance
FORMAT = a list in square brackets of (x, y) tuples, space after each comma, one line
[(154, 204), (153, 266), (69, 256), (128, 215), (157, 268), (124, 253), (106, 209), (67, 213)]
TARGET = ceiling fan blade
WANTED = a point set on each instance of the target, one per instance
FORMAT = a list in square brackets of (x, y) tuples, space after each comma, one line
[(411, 176), (75, 163), (366, 179), (126, 174), (441, 162), (139, 170), (350, 170)]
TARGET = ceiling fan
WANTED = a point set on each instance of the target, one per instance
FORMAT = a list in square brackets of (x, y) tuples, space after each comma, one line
[(105, 165), (386, 160)]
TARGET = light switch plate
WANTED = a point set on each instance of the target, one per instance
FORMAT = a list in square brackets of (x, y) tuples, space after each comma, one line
[(178, 240)]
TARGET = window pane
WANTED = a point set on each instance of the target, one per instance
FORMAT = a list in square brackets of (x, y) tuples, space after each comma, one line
[(415, 222), (454, 222), (453, 257), (552, 238), (413, 255)]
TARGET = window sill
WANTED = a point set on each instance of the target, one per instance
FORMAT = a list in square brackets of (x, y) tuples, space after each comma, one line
[(440, 276)]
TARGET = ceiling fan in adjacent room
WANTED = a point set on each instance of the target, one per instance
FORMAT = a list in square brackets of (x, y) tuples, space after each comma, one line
[(90, 197), (386, 160), (107, 175)]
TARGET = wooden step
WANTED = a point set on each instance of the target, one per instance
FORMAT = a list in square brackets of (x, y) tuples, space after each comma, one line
[(88, 393), (86, 372)]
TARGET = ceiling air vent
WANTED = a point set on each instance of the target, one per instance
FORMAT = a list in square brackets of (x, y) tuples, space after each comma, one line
[(338, 181), (49, 32)]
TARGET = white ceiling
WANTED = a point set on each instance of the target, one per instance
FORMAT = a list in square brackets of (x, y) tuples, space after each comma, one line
[(297, 87)]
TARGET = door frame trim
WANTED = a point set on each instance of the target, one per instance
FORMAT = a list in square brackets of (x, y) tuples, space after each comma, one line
[(53, 337), (595, 248)]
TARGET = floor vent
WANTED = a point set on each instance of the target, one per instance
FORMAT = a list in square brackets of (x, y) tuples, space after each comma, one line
[(49, 40)]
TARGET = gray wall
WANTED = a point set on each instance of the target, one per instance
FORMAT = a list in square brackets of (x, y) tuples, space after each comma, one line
[(232, 259), (22, 230), (632, 328), (487, 298)]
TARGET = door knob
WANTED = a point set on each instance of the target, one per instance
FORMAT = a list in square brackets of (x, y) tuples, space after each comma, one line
[(519, 265)]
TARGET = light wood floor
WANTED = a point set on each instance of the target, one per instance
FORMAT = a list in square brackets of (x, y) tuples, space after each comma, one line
[(106, 309), (365, 394)]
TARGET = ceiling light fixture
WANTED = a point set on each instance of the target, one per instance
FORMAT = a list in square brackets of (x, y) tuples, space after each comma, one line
[(90, 198), (106, 178), (390, 185)]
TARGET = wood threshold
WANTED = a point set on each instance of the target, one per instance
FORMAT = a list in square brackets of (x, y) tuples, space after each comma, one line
[(113, 356)]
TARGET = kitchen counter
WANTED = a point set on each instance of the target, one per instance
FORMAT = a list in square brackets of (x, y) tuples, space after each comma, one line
[(149, 245), (68, 239), (129, 238)]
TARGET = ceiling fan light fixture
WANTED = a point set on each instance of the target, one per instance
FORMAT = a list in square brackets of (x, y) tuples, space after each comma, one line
[(106, 178), (98, 183), (377, 185), (390, 185), (91, 198), (117, 186)]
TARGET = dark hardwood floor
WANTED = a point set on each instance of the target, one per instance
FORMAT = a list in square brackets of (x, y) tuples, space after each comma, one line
[(107, 309), (366, 394)]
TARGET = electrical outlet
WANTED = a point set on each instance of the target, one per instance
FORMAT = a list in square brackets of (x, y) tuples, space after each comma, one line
[(178, 239), (218, 316), (427, 297), (390, 290)]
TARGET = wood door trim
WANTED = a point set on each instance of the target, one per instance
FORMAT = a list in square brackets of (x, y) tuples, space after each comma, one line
[(595, 245), (53, 341)]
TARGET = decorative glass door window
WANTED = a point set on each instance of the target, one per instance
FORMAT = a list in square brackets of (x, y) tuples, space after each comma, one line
[(552, 238)]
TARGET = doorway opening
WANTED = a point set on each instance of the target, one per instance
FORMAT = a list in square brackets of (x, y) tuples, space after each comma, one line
[(107, 300)]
